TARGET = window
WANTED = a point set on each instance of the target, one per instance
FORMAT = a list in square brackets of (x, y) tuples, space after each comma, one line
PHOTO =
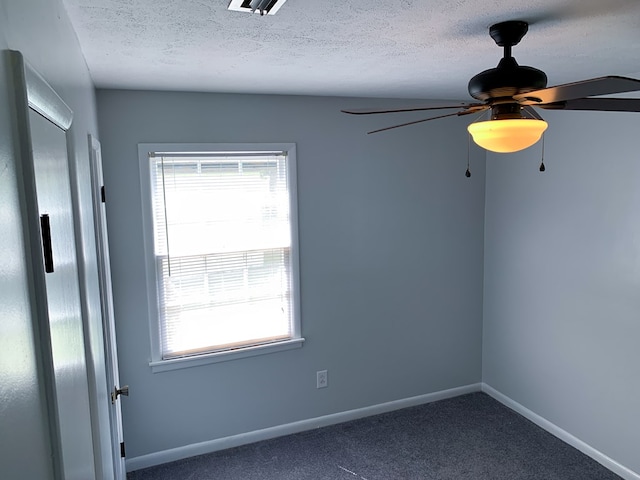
[(221, 251)]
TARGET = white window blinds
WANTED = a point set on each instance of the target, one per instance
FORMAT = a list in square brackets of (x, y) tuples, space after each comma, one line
[(222, 235)]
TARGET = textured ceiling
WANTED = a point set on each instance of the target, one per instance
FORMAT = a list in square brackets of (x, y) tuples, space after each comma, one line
[(390, 48)]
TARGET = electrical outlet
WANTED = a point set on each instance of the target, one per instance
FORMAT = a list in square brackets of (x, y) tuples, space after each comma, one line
[(322, 379)]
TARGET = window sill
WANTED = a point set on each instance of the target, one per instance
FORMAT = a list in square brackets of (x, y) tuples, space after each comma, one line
[(195, 361)]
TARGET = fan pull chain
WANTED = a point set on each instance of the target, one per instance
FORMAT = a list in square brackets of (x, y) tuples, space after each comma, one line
[(542, 167), (468, 172)]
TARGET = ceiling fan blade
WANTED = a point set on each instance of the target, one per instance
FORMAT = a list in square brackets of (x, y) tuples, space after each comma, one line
[(584, 9), (464, 112), (372, 111), (585, 88), (597, 104)]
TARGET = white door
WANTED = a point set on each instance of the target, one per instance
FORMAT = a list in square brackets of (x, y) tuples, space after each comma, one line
[(42, 120), (63, 320), (106, 297)]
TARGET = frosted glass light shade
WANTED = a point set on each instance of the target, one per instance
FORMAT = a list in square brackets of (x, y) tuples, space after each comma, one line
[(506, 136)]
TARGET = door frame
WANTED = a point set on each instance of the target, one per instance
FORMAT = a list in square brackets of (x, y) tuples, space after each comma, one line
[(106, 300)]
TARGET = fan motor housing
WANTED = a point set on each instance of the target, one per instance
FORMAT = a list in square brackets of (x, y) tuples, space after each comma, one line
[(506, 80)]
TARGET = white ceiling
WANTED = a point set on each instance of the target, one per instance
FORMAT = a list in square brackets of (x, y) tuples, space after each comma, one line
[(365, 48)]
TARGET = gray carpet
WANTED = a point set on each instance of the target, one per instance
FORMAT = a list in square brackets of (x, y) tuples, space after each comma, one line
[(468, 437)]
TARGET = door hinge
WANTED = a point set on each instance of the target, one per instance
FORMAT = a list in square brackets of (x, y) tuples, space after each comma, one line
[(122, 450), (103, 194)]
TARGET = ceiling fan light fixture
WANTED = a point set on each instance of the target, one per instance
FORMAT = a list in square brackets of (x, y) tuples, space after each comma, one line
[(507, 136)]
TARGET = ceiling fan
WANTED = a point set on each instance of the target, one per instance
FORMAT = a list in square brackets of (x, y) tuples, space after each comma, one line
[(511, 91)]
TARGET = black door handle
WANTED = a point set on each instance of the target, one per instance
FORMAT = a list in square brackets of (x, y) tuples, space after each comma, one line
[(45, 229)]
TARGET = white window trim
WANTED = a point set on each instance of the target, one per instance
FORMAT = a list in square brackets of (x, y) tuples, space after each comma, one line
[(157, 363)]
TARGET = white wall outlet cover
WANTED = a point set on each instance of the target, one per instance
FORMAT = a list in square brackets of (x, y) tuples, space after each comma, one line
[(322, 379)]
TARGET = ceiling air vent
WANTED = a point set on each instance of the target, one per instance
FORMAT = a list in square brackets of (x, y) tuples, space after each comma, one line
[(262, 7)]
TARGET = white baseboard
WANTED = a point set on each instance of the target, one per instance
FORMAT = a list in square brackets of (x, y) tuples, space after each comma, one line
[(563, 435), (173, 454)]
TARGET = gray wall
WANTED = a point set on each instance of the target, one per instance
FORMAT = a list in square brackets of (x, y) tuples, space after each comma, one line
[(562, 280), (391, 242), (41, 30)]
